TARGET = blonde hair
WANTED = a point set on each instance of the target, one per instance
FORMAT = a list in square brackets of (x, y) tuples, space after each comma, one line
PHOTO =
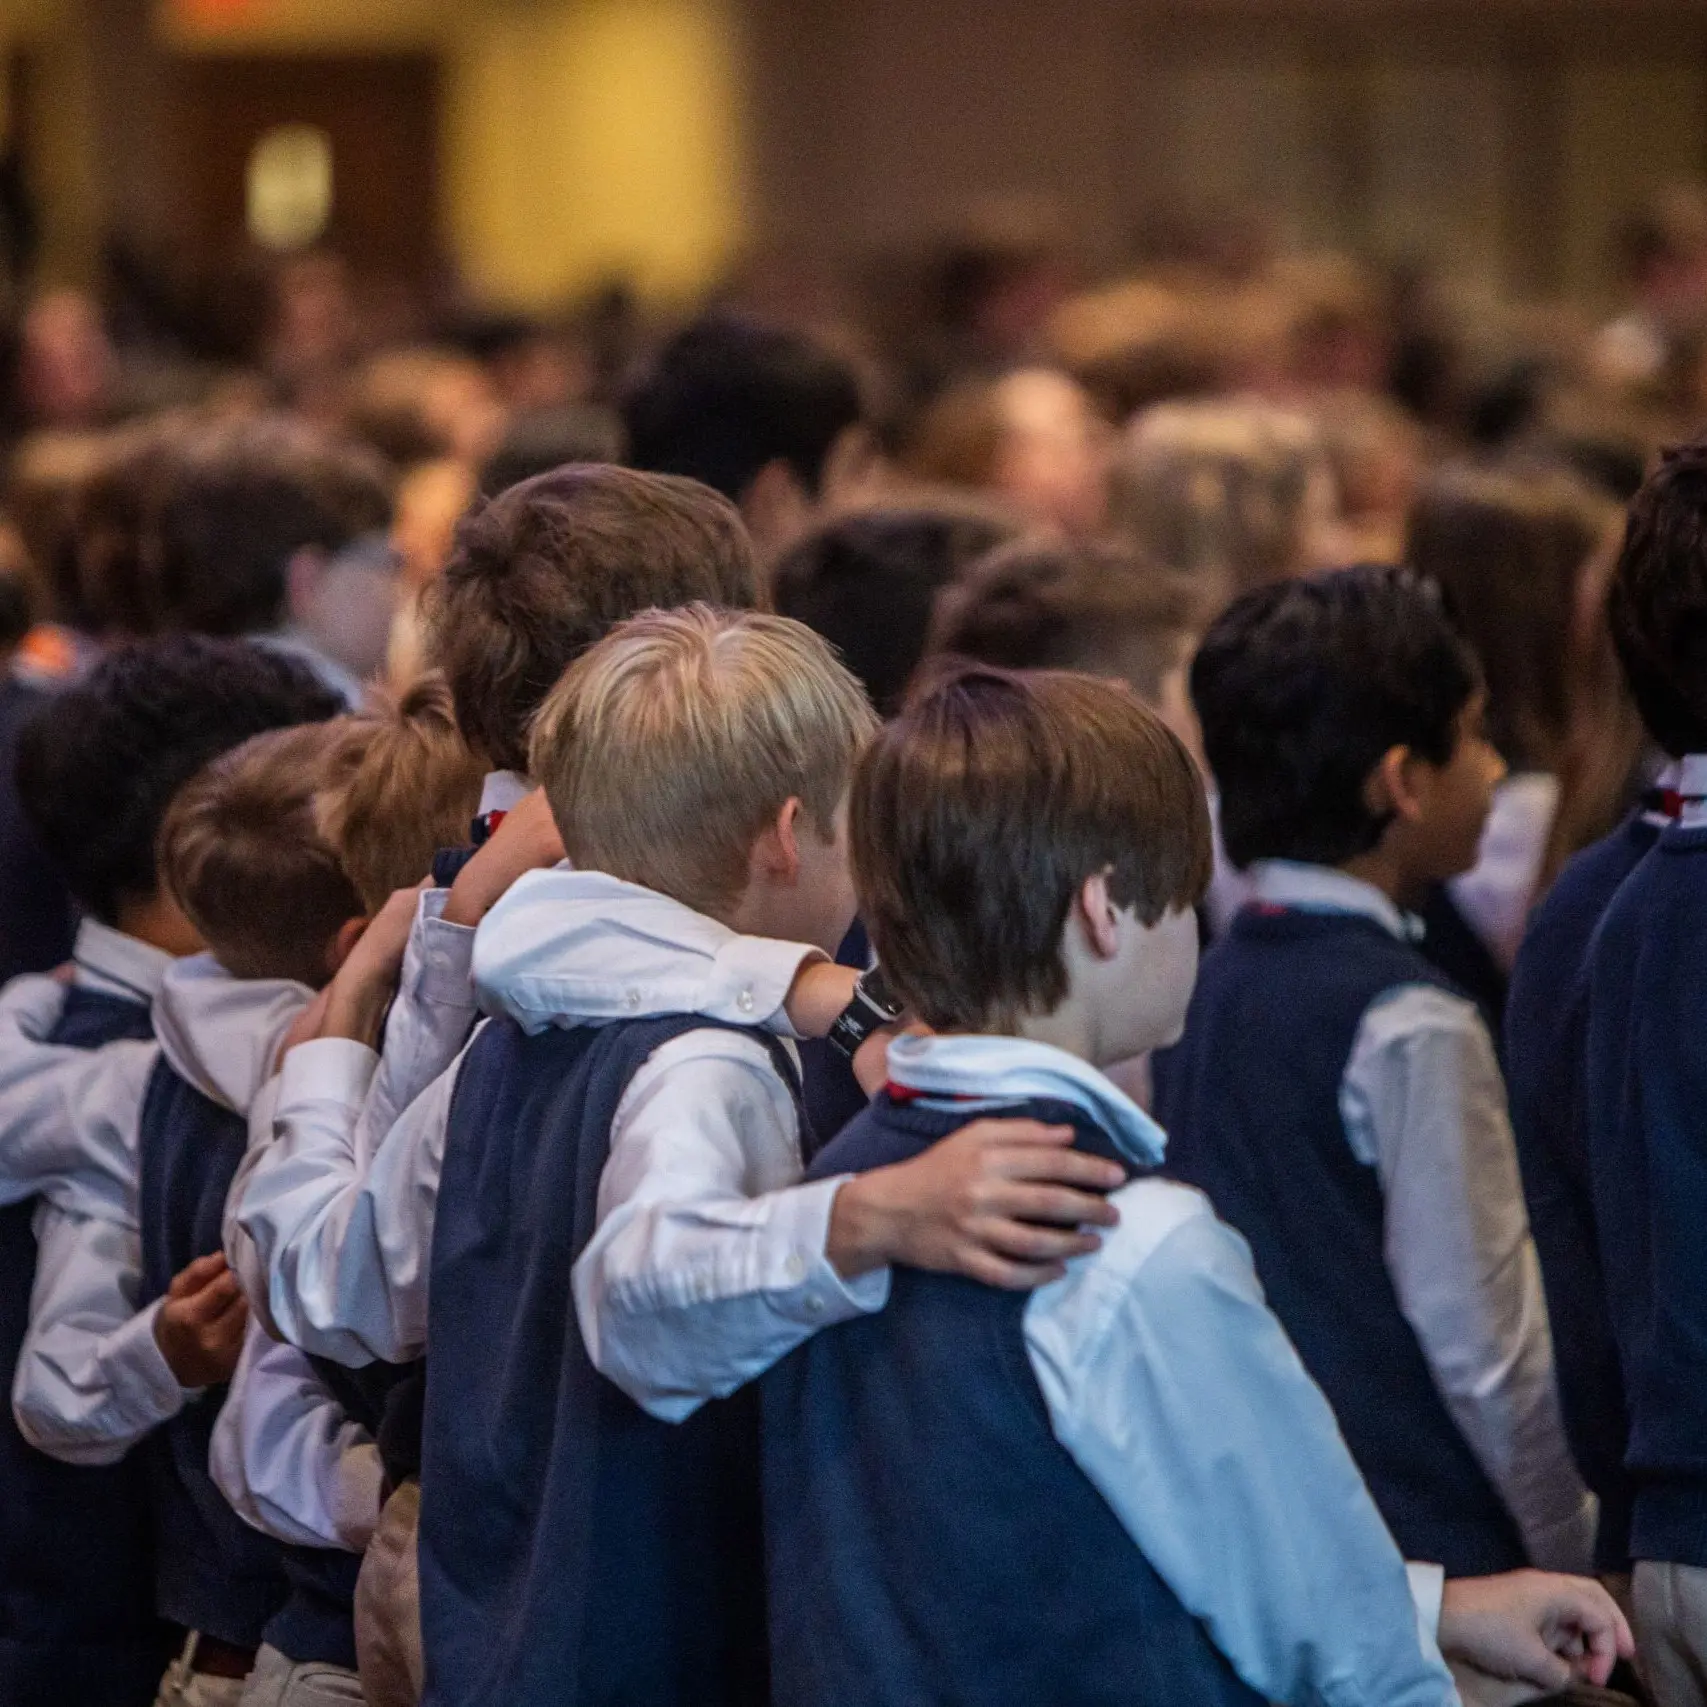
[(413, 789), (667, 748), (1220, 490), (242, 852)]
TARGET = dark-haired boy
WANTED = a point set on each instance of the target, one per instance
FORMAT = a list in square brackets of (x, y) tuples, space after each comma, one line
[(1121, 1486), (1340, 1102), (98, 769), (1644, 1081)]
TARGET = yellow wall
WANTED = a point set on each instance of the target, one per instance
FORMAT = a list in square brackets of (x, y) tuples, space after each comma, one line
[(580, 137)]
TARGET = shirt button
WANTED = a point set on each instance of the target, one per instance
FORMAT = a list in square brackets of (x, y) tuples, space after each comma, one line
[(814, 1305), (744, 1001), (631, 1001)]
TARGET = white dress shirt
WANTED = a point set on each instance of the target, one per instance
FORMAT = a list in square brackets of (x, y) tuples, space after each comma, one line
[(91, 1379), (1423, 1103), (342, 1250), (1496, 894), (1175, 1389), (1691, 774), (285, 1454)]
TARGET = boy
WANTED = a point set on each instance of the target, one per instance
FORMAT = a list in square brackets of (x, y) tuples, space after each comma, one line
[(1341, 1103), (1121, 1486), (97, 771), (1642, 1085)]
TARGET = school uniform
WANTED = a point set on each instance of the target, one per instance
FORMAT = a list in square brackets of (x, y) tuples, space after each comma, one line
[(1122, 1486), (92, 1384), (1643, 1091), (1546, 1021), (77, 1619), (1342, 1107)]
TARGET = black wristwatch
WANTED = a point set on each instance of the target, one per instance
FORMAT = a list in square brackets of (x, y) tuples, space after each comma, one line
[(873, 1006)]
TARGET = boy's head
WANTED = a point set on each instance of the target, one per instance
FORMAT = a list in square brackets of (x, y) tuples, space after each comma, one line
[(706, 754), (99, 765), (1044, 604), (244, 502), (1022, 841), (1341, 716), (243, 854), (867, 581), (547, 568), (413, 788), (757, 412), (1658, 604)]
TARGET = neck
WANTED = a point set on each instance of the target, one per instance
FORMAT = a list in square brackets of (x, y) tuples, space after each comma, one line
[(1381, 871), (159, 923), (1071, 1028)]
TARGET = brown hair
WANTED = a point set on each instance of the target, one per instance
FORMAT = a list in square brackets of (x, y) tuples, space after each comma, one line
[(413, 790), (1043, 604), (241, 851), (669, 747), (547, 568), (979, 812)]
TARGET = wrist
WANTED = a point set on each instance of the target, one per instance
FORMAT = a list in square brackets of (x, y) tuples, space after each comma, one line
[(861, 1236), (357, 1014), (470, 898), (820, 991)]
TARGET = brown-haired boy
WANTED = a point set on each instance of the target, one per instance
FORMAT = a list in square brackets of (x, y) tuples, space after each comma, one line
[(1123, 1485)]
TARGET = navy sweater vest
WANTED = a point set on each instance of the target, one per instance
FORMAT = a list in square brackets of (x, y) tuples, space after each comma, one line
[(77, 1616), (572, 1548), (1250, 1101), (215, 1573), (1645, 1097), (1546, 1037), (928, 1539)]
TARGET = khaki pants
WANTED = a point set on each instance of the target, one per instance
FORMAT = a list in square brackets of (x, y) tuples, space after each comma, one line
[(388, 1605), (1671, 1632), (278, 1682), (184, 1687)]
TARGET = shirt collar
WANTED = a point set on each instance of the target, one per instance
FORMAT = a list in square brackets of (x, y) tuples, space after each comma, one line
[(1692, 785), (118, 965), (1321, 889), (968, 1072), (503, 791)]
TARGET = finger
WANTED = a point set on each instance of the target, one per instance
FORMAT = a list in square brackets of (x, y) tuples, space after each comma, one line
[(192, 1277), (1009, 1276), (1063, 1167), (1050, 1205), (1015, 1132), (1539, 1665), (1021, 1240), (211, 1301)]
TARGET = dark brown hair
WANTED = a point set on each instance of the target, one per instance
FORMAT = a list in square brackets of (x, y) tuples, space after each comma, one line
[(242, 852), (1046, 604), (547, 568), (978, 813)]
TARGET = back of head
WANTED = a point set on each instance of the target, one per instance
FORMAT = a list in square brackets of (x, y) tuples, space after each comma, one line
[(1227, 492), (980, 811), (244, 498), (1303, 686), (727, 396), (1043, 604), (99, 764), (1658, 604), (867, 582), (413, 789), (241, 851), (544, 570), (46, 480), (675, 741), (1510, 547)]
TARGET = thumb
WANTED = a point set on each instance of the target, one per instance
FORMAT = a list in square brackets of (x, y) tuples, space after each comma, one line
[(1536, 1663)]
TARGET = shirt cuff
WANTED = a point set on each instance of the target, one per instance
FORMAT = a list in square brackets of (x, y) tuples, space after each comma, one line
[(752, 978), (1428, 1590), (821, 1296), (327, 1069), (440, 967), (143, 1385)]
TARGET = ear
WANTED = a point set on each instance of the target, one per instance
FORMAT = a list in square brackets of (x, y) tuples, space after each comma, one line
[(775, 508), (343, 944), (302, 581), (1098, 916), (1393, 788), (775, 859)]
